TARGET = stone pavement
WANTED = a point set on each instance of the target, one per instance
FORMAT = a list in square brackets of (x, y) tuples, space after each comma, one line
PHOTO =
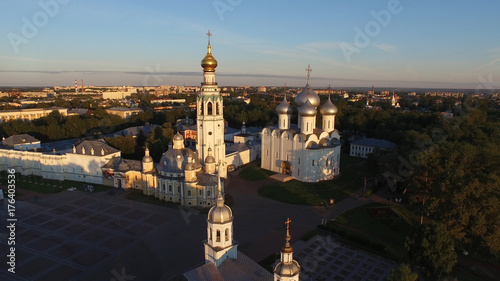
[(322, 259), (103, 236)]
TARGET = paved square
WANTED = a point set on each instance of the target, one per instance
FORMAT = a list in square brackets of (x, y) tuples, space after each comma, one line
[(322, 258)]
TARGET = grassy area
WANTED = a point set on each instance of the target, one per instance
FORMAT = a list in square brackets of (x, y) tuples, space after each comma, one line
[(252, 172), (41, 185), (350, 179), (315, 194), (384, 236)]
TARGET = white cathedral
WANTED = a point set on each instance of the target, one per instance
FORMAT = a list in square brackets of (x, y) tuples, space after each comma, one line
[(304, 152)]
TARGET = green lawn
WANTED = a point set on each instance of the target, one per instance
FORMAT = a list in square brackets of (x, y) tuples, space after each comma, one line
[(358, 227), (38, 184), (315, 194), (252, 172)]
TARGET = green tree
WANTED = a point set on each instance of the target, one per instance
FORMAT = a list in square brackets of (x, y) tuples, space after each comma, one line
[(431, 246), (402, 273)]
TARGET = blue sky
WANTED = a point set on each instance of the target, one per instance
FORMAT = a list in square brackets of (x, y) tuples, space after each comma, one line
[(389, 43)]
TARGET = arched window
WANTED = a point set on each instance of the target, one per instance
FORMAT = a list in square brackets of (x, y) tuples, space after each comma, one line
[(217, 237), (210, 234), (209, 108), (218, 109), (226, 234), (201, 108)]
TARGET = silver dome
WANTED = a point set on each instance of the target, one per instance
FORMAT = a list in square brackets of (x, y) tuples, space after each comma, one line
[(307, 109), (329, 108), (220, 213), (307, 93), (284, 107)]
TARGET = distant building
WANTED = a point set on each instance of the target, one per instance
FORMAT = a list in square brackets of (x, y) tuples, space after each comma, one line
[(363, 147), (124, 112), (30, 114)]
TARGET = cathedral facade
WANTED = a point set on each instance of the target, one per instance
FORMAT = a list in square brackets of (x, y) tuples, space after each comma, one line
[(304, 152)]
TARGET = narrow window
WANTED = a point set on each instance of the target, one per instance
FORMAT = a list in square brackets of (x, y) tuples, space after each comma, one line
[(209, 108), (299, 160), (217, 238), (313, 162), (227, 234), (189, 192)]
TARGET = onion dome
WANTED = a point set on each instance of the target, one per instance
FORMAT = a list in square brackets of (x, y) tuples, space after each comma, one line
[(220, 213), (328, 108), (307, 109), (284, 107), (147, 158), (307, 93), (209, 159), (209, 63)]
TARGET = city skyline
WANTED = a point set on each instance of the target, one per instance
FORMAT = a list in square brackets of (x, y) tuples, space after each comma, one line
[(391, 43)]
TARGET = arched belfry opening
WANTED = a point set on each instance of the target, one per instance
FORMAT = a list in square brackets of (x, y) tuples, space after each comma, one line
[(209, 108)]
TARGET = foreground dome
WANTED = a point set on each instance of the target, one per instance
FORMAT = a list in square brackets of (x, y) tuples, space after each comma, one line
[(306, 94), (220, 213), (307, 109)]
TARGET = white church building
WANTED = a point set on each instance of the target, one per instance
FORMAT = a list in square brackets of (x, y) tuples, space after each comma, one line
[(304, 152)]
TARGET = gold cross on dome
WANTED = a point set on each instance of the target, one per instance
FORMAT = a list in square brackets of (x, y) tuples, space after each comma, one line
[(287, 222), (309, 70), (209, 34)]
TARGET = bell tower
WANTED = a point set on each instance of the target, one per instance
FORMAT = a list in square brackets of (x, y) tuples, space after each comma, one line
[(209, 112)]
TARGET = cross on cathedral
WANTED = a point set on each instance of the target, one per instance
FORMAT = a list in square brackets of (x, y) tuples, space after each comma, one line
[(209, 34), (309, 70), (287, 222)]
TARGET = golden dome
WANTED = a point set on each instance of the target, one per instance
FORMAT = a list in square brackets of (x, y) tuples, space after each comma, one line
[(209, 63)]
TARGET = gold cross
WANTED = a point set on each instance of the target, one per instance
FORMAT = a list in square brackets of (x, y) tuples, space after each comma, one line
[(287, 222), (209, 34)]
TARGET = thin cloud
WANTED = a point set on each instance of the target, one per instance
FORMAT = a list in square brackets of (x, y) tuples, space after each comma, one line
[(385, 47), (320, 46)]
